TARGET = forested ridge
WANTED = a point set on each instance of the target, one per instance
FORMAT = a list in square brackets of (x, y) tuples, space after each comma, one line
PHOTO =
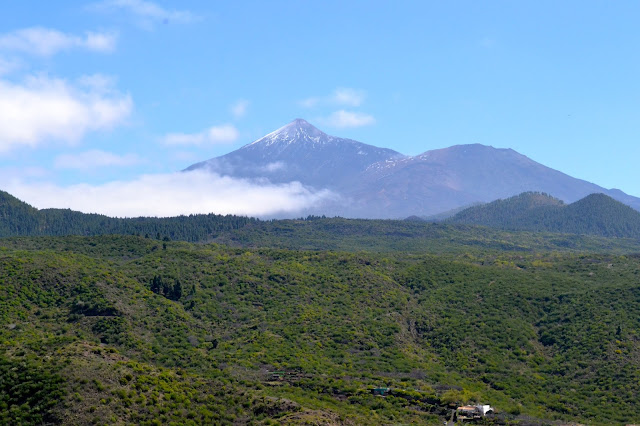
[(19, 219), (596, 214)]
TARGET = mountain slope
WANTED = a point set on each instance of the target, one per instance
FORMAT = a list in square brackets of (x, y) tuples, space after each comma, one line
[(522, 211), (299, 152), (445, 179), (519, 331), (596, 214), (381, 183), (17, 218)]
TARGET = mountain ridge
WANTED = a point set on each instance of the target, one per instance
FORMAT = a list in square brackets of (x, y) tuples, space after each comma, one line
[(301, 152), (595, 214), (379, 183), (18, 218)]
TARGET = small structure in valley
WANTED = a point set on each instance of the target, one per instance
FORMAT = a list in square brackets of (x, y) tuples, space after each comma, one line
[(380, 391), (473, 412)]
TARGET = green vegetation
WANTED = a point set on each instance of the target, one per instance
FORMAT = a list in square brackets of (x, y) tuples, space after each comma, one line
[(596, 214), (28, 391), (393, 236), (297, 321), (19, 219), (97, 329), (583, 223)]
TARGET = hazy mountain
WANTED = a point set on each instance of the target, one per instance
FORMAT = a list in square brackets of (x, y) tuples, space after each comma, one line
[(444, 179), (381, 183), (299, 152), (596, 214)]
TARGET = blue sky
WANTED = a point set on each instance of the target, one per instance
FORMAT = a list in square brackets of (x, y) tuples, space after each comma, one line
[(104, 98)]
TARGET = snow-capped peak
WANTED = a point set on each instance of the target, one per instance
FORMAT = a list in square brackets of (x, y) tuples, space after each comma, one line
[(298, 130)]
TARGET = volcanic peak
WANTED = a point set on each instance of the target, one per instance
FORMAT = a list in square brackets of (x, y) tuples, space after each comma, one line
[(299, 130)]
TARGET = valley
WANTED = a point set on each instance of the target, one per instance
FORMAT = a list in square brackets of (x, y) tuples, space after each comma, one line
[(539, 334)]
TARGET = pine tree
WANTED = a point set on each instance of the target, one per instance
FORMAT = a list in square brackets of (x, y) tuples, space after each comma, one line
[(156, 285), (177, 290)]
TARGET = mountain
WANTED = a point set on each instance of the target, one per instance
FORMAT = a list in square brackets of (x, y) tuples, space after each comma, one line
[(381, 183), (444, 179), (16, 216), (511, 212), (596, 214), (299, 152)]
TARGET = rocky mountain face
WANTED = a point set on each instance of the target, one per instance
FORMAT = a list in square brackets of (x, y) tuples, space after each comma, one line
[(381, 183)]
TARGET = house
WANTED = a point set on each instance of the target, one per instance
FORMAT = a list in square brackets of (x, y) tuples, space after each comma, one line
[(473, 412), (380, 391)]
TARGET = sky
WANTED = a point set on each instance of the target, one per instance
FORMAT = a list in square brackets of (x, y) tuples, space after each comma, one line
[(103, 102)]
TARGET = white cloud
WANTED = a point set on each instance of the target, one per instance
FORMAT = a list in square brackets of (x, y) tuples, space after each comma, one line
[(95, 158), (7, 66), (348, 97), (310, 102), (225, 133), (343, 119), (98, 83), (342, 96), (7, 174), (239, 109), (148, 11), (46, 42), (42, 109), (171, 195), (100, 42), (274, 167)]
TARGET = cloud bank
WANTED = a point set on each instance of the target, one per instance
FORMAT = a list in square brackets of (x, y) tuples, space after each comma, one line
[(41, 109), (172, 194)]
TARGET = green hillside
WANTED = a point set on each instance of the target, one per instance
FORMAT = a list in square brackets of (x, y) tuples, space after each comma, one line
[(407, 236), (19, 219), (296, 321), (86, 340), (316, 233), (596, 214)]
